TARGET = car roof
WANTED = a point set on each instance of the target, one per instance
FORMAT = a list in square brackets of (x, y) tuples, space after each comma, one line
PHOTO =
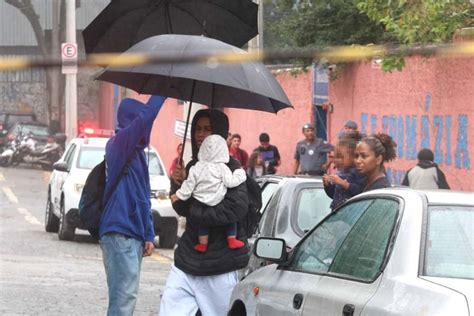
[(291, 178), (449, 197), (96, 142)]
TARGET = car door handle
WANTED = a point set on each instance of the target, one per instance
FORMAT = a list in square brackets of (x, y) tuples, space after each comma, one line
[(297, 301), (348, 310)]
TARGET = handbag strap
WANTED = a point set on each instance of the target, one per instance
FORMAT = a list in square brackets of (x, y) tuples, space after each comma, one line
[(124, 171)]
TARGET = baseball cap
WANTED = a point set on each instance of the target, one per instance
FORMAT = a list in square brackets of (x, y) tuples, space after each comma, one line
[(351, 124), (308, 125)]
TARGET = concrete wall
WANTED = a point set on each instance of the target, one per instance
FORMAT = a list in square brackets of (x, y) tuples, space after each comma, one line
[(430, 104)]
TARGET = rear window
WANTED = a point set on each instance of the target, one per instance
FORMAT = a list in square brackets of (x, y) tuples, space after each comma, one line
[(155, 168), (12, 119), (313, 206), (36, 130), (89, 157), (450, 242)]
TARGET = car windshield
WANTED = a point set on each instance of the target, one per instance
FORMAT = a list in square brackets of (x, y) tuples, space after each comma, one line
[(12, 119), (89, 157), (449, 249), (155, 168), (36, 130)]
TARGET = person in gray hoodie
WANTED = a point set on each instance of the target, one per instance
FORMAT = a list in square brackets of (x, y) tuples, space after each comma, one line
[(426, 174)]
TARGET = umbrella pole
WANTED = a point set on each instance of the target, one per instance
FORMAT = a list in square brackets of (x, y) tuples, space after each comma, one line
[(187, 122)]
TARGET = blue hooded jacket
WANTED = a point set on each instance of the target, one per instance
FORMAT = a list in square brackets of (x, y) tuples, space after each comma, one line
[(128, 210)]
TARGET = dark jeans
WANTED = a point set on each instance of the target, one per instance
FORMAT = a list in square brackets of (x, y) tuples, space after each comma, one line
[(231, 230)]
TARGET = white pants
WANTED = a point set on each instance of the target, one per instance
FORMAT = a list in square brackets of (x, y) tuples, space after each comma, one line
[(184, 294)]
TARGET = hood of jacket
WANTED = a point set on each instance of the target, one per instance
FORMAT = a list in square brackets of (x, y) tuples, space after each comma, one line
[(219, 125), (214, 149), (128, 110), (425, 164)]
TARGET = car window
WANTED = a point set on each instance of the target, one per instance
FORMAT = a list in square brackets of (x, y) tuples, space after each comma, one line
[(449, 249), (154, 166), (36, 130), (12, 118), (351, 242), (89, 157), (267, 192), (70, 156), (316, 253), (363, 251), (312, 206)]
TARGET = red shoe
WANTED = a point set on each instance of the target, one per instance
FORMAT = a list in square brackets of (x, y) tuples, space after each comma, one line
[(234, 243), (201, 247)]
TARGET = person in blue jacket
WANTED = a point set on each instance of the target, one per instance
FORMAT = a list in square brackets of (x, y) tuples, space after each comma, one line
[(126, 226)]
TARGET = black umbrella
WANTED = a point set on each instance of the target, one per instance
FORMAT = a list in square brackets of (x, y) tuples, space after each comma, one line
[(246, 85), (124, 23)]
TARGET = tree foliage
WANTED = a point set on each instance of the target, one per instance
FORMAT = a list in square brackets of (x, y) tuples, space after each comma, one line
[(420, 21), (311, 23)]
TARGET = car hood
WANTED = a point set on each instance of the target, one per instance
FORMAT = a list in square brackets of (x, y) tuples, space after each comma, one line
[(463, 286), (159, 183)]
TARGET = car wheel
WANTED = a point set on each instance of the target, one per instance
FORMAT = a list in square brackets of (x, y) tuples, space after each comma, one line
[(51, 221), (168, 240), (65, 232)]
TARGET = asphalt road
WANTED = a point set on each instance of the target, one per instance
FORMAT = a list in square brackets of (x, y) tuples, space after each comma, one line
[(41, 275)]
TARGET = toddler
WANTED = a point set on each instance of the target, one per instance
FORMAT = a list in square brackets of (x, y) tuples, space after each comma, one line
[(208, 181)]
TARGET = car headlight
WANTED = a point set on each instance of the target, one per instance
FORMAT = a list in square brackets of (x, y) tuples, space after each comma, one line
[(78, 187), (161, 194)]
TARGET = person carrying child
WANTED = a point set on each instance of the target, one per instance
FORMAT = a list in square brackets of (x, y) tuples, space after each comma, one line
[(208, 181), (347, 182)]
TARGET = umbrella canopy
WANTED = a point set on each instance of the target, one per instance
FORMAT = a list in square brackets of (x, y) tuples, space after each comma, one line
[(246, 85), (124, 23)]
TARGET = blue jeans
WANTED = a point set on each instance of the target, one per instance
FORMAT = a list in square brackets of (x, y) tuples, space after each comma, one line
[(122, 258)]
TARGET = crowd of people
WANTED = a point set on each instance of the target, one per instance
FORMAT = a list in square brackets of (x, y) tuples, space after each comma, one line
[(211, 192)]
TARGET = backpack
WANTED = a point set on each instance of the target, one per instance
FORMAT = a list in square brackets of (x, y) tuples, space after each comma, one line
[(255, 203), (91, 203)]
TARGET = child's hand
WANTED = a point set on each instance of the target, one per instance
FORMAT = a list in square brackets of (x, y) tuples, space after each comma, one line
[(335, 179), (174, 198), (326, 179)]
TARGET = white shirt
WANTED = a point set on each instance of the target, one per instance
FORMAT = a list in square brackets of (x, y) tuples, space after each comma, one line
[(209, 178)]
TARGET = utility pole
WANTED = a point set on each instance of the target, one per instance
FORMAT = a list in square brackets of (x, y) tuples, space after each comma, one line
[(55, 52), (71, 76)]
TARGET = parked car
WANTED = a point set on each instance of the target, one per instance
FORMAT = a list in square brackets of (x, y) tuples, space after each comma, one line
[(291, 205), (38, 131), (386, 252), (68, 178), (7, 119)]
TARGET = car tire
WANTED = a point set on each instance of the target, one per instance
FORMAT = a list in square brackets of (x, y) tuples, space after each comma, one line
[(166, 228), (65, 231), (51, 221)]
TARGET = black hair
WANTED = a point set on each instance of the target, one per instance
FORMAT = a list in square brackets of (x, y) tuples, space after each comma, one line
[(382, 145), (264, 138), (425, 154), (350, 140), (236, 136)]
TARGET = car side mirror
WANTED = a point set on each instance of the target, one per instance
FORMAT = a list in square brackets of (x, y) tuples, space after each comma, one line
[(271, 249), (61, 166)]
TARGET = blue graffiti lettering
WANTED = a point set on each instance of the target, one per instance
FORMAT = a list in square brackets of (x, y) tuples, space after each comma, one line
[(448, 125), (438, 127), (425, 131), (400, 136), (373, 124), (462, 152), (410, 127), (363, 122)]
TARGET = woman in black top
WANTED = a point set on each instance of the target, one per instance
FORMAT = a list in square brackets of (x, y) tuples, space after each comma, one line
[(370, 155)]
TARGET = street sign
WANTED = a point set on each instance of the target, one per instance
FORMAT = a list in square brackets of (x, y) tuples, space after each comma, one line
[(69, 56), (179, 127)]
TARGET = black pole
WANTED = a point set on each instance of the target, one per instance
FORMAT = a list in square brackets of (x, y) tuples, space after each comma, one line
[(187, 121), (168, 18)]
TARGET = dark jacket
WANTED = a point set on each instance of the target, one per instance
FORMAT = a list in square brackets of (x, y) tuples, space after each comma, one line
[(357, 182), (218, 258), (128, 211), (426, 175)]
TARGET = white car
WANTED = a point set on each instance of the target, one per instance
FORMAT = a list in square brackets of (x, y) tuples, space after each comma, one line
[(384, 252), (68, 178)]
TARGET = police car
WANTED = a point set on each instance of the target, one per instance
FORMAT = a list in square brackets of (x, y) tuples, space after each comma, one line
[(68, 178)]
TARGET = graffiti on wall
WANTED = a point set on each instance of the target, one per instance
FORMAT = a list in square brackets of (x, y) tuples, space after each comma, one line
[(414, 132)]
